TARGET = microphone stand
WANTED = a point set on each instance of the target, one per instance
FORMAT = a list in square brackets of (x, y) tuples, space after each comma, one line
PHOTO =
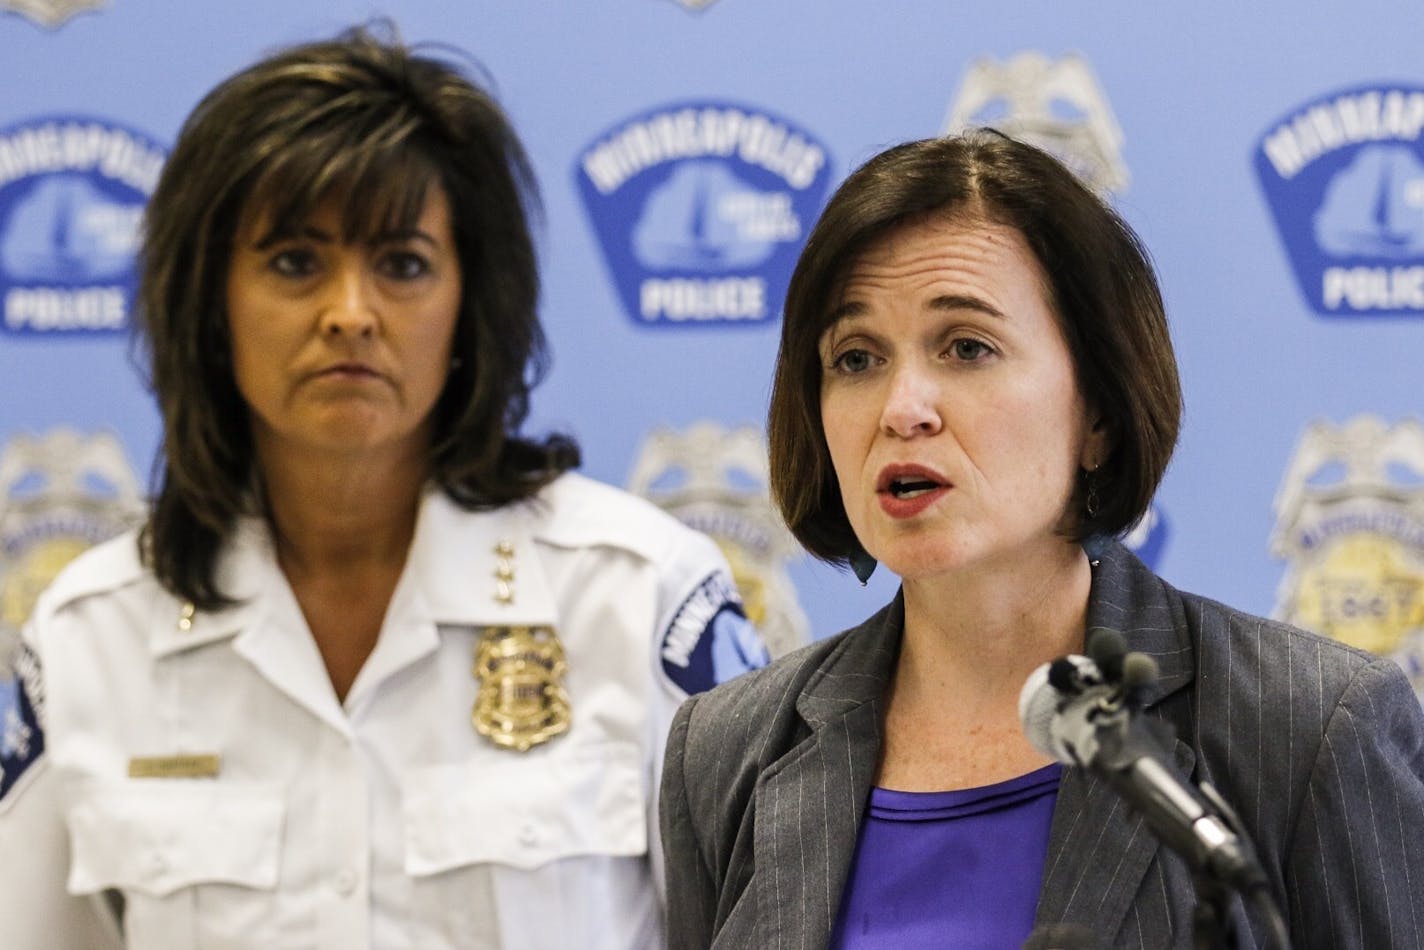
[(1216, 845)]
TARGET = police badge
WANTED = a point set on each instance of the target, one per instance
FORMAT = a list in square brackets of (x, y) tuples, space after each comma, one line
[(59, 494), (50, 13), (521, 702), (1032, 98), (1350, 525), (714, 479)]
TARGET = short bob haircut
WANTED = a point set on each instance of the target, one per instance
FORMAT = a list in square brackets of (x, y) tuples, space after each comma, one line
[(1102, 289), (368, 125)]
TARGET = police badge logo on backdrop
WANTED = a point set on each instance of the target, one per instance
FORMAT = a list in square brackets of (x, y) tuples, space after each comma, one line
[(1056, 105), (1350, 526), (59, 494), (1344, 178), (72, 192), (714, 479), (701, 209), (50, 13)]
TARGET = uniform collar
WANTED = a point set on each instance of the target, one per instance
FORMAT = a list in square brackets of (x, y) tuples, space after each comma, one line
[(451, 574), (244, 573)]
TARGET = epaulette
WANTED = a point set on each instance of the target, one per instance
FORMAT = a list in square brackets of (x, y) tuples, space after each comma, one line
[(105, 567), (575, 511)]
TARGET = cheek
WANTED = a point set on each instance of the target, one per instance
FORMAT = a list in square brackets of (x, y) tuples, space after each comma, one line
[(845, 440)]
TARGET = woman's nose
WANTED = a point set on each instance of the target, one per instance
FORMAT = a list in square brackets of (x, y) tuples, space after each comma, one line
[(348, 308), (910, 405)]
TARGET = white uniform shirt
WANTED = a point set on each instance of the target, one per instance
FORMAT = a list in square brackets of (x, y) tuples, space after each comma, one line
[(385, 821)]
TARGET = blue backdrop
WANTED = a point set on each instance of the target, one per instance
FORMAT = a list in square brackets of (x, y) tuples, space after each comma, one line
[(1269, 154)]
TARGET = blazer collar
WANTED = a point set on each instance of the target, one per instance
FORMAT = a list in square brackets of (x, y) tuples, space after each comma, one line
[(811, 801), (1098, 851)]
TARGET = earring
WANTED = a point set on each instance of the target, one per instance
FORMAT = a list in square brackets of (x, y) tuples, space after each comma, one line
[(1091, 505)]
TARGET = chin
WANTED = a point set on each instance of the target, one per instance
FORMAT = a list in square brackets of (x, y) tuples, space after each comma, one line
[(922, 558)]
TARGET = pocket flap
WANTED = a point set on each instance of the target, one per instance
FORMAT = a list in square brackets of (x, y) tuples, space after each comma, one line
[(525, 812), (157, 836)]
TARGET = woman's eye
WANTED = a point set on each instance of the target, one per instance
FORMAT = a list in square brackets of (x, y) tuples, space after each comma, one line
[(293, 262), (969, 349), (403, 265), (853, 361)]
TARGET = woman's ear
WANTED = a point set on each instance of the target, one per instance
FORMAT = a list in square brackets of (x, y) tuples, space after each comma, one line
[(1099, 443)]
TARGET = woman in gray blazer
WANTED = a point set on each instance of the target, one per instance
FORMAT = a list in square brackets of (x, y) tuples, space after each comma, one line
[(976, 388)]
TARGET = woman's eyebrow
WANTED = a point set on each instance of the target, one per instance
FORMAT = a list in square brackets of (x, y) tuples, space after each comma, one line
[(287, 233), (944, 302), (965, 302)]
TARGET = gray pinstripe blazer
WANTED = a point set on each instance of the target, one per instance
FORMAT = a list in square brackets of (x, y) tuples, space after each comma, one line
[(1319, 747)]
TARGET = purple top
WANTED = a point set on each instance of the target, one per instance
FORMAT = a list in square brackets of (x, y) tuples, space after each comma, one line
[(949, 869)]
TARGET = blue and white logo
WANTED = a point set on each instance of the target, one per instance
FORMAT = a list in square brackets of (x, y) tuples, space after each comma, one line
[(701, 209), (21, 712), (72, 192), (709, 639), (1344, 176)]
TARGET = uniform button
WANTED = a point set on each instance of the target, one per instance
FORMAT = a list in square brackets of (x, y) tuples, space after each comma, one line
[(528, 835), (344, 882)]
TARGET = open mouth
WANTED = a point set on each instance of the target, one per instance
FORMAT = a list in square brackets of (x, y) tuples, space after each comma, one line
[(911, 487)]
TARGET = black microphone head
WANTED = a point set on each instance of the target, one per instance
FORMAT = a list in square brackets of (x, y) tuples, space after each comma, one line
[(1063, 675), (1138, 670), (1106, 648)]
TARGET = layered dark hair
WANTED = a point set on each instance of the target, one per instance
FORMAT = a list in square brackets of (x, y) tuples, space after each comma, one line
[(1101, 285), (368, 125)]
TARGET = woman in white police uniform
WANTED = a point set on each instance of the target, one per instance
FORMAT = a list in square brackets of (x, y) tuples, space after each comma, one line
[(378, 672)]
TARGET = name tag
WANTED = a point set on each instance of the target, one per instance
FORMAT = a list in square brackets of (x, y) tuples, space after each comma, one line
[(175, 766)]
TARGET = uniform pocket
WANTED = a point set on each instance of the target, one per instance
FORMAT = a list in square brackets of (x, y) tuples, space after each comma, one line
[(525, 811), (156, 837), (196, 861)]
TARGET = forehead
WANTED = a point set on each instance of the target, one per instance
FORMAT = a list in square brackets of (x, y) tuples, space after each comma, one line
[(948, 241), (959, 255)]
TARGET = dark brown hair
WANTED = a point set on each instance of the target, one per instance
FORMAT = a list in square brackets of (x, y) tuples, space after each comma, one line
[(369, 124), (1102, 288)]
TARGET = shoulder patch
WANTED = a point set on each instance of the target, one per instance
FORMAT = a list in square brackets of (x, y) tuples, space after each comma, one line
[(709, 639), (21, 714), (582, 512)]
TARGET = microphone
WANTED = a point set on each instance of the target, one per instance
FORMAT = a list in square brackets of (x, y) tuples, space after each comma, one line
[(1075, 713)]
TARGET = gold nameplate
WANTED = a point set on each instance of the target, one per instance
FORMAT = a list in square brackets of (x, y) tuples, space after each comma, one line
[(174, 766), (522, 701)]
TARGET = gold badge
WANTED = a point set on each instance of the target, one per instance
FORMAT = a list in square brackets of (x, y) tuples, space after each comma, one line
[(522, 702), (1350, 525)]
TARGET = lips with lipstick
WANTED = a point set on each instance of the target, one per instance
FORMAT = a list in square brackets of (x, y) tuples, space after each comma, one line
[(906, 490)]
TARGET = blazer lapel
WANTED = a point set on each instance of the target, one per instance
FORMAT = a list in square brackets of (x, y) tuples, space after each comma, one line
[(810, 803), (1099, 851)]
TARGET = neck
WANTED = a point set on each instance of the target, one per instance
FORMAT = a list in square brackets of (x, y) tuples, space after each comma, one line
[(332, 514), (973, 639)]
